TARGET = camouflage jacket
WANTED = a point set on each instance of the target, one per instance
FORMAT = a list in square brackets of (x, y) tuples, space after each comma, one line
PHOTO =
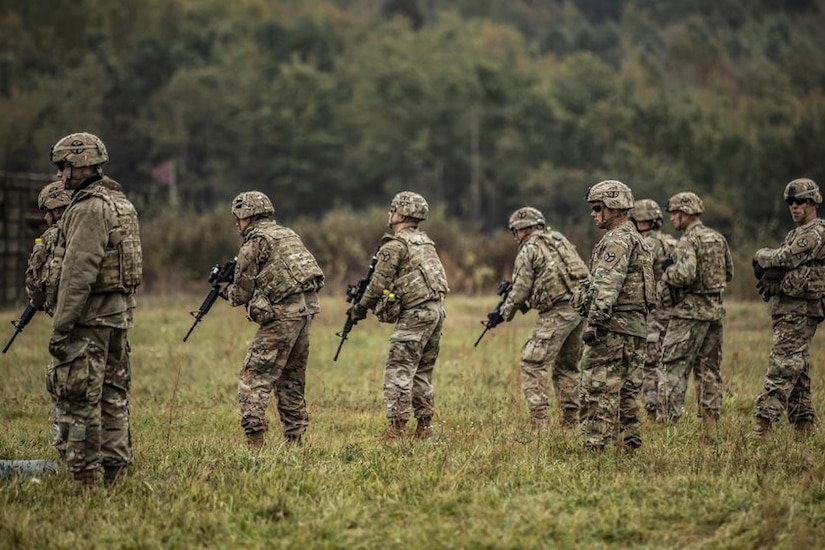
[(662, 246), (702, 268), (255, 257), (542, 278), (622, 282), (86, 229), (408, 264), (38, 268), (804, 245)]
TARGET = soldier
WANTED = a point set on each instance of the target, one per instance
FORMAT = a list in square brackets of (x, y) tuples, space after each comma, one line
[(41, 284), (547, 270), (277, 279), (407, 288), (100, 259), (615, 302), (793, 281), (647, 217), (693, 285)]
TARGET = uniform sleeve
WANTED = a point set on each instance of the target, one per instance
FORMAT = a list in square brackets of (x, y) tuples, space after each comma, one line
[(86, 227), (728, 264), (524, 275), (682, 273), (387, 267), (609, 272), (798, 248), (34, 270), (249, 264)]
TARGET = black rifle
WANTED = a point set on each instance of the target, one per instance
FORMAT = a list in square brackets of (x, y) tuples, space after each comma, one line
[(504, 288), (20, 324), (354, 294), (218, 275)]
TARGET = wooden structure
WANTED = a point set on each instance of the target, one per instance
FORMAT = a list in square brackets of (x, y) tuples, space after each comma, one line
[(20, 223)]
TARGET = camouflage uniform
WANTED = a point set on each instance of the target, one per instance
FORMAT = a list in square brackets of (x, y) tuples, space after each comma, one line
[(695, 282), (90, 374), (796, 311), (662, 247), (547, 269), (409, 268), (618, 298), (41, 283), (277, 279)]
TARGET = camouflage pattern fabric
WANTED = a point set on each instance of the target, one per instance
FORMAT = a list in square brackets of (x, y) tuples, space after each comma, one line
[(90, 390), (276, 362), (37, 270), (277, 357), (540, 281), (787, 387), (693, 342), (90, 374), (612, 366), (409, 264), (662, 246), (408, 376)]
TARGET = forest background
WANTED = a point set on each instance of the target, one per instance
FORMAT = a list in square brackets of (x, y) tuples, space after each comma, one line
[(483, 106)]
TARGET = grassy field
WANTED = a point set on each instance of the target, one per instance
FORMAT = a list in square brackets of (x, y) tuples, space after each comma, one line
[(483, 481)]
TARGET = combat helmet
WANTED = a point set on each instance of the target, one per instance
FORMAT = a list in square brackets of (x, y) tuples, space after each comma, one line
[(803, 188), (525, 217), (411, 205), (614, 194), (646, 210), (252, 203), (53, 196), (686, 202), (78, 150)]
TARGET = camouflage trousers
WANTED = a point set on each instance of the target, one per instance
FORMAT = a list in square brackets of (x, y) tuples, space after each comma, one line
[(610, 383), (691, 345), (276, 362), (788, 381), (408, 375), (90, 390), (556, 343), (656, 329)]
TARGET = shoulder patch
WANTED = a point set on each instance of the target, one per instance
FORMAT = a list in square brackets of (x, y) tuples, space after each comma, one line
[(611, 255), (802, 244)]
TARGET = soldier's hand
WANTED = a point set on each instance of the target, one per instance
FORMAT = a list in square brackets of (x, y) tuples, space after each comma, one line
[(494, 319), (590, 335), (758, 270), (667, 263), (357, 313)]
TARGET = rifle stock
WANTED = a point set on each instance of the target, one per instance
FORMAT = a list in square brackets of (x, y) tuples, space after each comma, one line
[(21, 323)]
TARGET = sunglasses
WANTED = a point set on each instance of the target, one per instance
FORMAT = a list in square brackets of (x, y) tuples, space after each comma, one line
[(597, 208), (798, 202)]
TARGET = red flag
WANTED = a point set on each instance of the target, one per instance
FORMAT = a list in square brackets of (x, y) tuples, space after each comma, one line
[(165, 172)]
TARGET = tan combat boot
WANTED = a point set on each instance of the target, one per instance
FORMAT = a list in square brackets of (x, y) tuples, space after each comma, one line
[(394, 431), (112, 474), (423, 430), (763, 427), (255, 440), (804, 427), (86, 478)]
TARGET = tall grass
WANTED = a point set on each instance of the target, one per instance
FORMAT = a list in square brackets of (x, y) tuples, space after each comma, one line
[(485, 480)]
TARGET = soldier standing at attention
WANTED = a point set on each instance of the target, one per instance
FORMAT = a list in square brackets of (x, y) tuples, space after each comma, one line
[(693, 285), (100, 259), (546, 272), (41, 283), (615, 302), (793, 281), (407, 288), (277, 279), (647, 217)]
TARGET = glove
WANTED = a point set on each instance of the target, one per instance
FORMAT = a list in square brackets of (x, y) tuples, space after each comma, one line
[(58, 345), (758, 270), (667, 263), (494, 319), (590, 335), (771, 282), (357, 313)]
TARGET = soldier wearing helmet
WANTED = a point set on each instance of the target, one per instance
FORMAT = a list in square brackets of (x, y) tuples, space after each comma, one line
[(547, 270), (98, 262), (407, 288), (52, 201), (615, 302), (647, 217), (277, 280), (792, 279), (693, 285)]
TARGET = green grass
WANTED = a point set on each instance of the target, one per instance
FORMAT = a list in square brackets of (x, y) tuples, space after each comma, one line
[(484, 481)]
